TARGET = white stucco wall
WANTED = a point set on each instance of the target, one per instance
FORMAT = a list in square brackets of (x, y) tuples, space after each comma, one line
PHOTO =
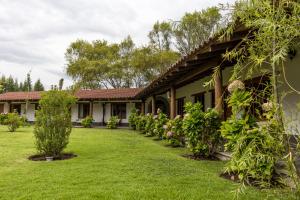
[(189, 90), (30, 114), (291, 98), (74, 113), (6, 107), (97, 112)]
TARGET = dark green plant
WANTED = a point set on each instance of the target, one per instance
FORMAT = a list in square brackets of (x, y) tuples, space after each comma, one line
[(255, 149), (113, 122), (160, 120), (201, 130), (3, 117), (149, 126), (174, 132), (133, 117), (53, 122), (141, 121), (13, 121), (87, 122)]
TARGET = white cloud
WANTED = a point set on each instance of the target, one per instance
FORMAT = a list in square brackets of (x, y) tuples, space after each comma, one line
[(34, 34)]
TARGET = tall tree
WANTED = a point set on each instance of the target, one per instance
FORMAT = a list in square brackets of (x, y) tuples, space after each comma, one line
[(61, 84), (100, 64), (161, 36), (27, 86), (195, 28), (38, 86)]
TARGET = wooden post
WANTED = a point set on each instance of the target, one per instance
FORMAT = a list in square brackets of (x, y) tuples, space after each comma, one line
[(103, 114), (143, 107), (172, 102), (153, 105), (91, 108), (218, 92)]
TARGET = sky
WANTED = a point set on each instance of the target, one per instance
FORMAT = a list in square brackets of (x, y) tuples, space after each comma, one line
[(34, 34)]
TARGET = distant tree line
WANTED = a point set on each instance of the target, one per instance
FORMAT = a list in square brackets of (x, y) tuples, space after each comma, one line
[(99, 63), (10, 84)]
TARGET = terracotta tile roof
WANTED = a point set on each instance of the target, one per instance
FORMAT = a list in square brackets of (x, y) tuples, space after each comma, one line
[(122, 93), (101, 94), (14, 96)]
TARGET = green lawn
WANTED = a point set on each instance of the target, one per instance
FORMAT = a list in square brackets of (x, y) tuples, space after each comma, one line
[(112, 164)]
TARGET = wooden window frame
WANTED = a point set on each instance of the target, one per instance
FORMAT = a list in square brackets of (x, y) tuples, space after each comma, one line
[(83, 115), (122, 114), (202, 95), (181, 111)]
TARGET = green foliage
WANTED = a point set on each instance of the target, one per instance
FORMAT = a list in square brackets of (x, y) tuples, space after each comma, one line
[(38, 86), (254, 157), (201, 130), (24, 121), (239, 100), (160, 120), (3, 117), (141, 122), (255, 149), (53, 122), (133, 118), (161, 35), (87, 122), (113, 122), (240, 121), (13, 121), (195, 28), (99, 63), (150, 125), (174, 132)]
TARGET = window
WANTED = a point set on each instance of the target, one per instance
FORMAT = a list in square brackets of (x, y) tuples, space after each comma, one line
[(83, 110), (138, 106), (200, 97), (212, 93), (119, 109), (180, 106), (15, 108), (1, 108)]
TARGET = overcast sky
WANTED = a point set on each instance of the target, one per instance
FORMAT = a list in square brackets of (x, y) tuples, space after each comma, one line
[(34, 34)]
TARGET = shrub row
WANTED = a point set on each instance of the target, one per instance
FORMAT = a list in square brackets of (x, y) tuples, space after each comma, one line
[(197, 130)]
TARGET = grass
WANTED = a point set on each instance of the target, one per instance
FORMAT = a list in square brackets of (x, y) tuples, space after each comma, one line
[(113, 164)]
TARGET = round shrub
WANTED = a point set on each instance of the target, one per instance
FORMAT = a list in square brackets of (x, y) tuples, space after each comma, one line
[(53, 122), (13, 121), (113, 122), (141, 121), (133, 117), (201, 130), (160, 120), (174, 132), (87, 122), (150, 124)]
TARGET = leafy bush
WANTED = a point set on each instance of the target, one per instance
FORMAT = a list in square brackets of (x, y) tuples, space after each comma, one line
[(174, 132), (87, 122), (53, 122), (149, 126), (159, 122), (3, 117), (113, 122), (13, 121), (201, 130), (141, 121), (255, 150), (133, 117), (24, 121)]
